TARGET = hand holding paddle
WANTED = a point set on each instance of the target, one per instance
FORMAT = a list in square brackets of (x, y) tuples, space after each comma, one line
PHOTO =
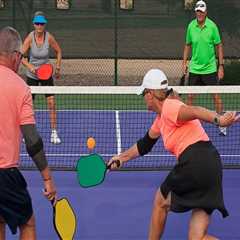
[(49, 189), (114, 163), (91, 170)]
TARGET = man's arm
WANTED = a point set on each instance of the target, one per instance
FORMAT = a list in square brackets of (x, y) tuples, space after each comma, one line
[(186, 51), (219, 50), (34, 146)]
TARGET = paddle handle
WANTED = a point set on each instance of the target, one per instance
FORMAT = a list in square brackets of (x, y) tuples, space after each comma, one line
[(115, 161), (51, 201), (182, 80)]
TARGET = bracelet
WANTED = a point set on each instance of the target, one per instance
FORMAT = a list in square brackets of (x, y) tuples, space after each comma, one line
[(47, 179), (216, 121)]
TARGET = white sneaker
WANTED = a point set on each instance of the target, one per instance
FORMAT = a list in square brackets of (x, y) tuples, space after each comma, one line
[(54, 137), (223, 131)]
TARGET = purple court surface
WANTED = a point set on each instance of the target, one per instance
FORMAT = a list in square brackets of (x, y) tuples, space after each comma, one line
[(120, 208)]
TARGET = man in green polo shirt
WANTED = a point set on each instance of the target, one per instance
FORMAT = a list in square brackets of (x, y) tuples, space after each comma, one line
[(204, 40)]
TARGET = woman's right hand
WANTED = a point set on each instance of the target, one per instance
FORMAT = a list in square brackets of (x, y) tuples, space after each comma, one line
[(31, 68), (113, 164)]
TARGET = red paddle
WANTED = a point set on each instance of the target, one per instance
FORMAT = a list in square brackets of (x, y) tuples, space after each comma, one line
[(44, 72)]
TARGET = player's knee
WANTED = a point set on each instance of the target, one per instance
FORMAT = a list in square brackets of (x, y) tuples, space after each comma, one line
[(51, 102), (197, 234), (161, 202), (201, 237), (216, 98), (29, 224)]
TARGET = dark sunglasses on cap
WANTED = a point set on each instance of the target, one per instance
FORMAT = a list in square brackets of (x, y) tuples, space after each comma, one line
[(200, 5), (41, 24)]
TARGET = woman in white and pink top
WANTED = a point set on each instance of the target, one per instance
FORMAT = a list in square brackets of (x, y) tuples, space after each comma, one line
[(195, 183)]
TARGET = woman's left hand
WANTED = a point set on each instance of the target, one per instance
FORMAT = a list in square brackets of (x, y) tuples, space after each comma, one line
[(220, 72), (228, 118)]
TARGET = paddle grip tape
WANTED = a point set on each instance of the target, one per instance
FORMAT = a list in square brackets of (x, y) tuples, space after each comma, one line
[(117, 162), (145, 144)]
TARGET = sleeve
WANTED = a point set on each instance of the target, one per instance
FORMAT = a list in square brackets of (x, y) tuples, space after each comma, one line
[(188, 35), (171, 109), (216, 35), (156, 125), (26, 112)]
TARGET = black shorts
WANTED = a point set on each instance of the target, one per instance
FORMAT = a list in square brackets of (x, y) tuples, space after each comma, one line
[(196, 181), (15, 201), (34, 82), (203, 79)]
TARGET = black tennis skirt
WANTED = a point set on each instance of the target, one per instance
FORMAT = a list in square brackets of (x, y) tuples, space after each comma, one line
[(15, 202), (196, 180)]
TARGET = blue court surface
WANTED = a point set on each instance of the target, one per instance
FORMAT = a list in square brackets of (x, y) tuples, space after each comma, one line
[(120, 208)]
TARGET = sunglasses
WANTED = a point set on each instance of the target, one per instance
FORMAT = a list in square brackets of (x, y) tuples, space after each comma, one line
[(145, 91), (19, 53), (39, 24)]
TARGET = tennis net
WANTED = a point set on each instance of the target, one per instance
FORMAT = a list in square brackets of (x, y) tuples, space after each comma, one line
[(116, 117)]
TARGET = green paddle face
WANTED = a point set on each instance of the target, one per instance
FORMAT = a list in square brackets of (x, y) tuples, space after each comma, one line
[(64, 219), (91, 170)]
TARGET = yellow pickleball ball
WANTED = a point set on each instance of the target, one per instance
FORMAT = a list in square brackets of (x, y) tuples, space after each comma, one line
[(91, 143)]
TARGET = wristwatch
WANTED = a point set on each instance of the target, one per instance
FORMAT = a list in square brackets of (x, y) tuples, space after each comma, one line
[(216, 121)]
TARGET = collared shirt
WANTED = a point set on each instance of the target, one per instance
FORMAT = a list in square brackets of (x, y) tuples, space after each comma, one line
[(16, 109), (177, 136), (203, 41)]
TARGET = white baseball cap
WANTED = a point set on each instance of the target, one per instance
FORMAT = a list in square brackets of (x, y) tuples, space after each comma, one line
[(201, 6), (153, 79)]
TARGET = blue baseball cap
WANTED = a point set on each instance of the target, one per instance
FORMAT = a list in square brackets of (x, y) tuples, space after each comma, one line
[(39, 19)]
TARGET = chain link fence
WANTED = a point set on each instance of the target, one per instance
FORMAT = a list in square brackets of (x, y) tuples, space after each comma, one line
[(106, 43)]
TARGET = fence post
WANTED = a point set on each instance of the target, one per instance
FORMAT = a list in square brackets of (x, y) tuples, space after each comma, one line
[(14, 14), (116, 42)]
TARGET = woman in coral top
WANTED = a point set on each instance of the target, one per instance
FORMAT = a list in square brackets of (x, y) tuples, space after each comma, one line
[(195, 183)]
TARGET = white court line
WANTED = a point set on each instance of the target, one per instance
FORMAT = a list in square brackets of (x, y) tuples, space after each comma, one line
[(118, 133), (93, 110), (107, 155)]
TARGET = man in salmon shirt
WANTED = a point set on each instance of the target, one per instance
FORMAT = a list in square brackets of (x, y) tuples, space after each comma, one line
[(16, 111), (195, 183)]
